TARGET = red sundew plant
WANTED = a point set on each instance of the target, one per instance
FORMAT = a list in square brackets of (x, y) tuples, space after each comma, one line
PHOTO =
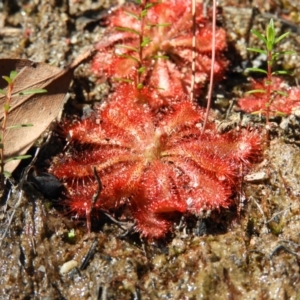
[(281, 103), (144, 43), (152, 166), (142, 154), (150, 96)]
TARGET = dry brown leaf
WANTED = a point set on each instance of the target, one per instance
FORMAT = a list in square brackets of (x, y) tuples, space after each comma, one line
[(37, 109)]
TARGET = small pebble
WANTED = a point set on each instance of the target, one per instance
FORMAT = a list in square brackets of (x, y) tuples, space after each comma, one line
[(68, 266), (256, 177)]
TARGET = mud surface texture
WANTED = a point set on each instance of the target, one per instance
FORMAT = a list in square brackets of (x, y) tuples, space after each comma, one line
[(251, 252)]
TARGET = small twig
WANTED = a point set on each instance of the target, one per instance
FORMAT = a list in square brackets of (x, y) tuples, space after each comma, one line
[(99, 189), (261, 211), (30, 166), (283, 247), (89, 255), (229, 110), (278, 248), (94, 200), (8, 225), (58, 289), (126, 226), (136, 294), (291, 243), (19, 188), (102, 293), (278, 213), (11, 216)]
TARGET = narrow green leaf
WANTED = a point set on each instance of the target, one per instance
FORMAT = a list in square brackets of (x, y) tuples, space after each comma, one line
[(284, 35), (287, 52), (268, 82), (7, 79), (145, 41), (127, 47), (280, 72), (270, 33), (256, 91), (270, 45), (141, 70), (258, 112), (137, 17), (259, 35), (33, 91), (256, 70), (277, 54), (161, 56), (149, 5), (13, 75), (280, 113), (2, 92), (128, 56), (140, 86), (284, 94), (6, 107), (138, 1), (159, 25), (143, 13), (257, 50), (122, 80), (19, 126), (20, 157), (128, 30)]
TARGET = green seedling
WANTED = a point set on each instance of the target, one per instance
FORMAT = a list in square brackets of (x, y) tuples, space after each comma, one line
[(270, 41), (8, 93), (71, 234), (144, 41)]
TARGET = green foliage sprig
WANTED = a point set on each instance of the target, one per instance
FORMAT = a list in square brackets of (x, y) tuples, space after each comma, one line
[(8, 93), (143, 41), (270, 41)]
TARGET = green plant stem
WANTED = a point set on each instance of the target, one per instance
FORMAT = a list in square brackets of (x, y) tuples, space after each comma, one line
[(269, 85), (269, 91), (270, 40), (140, 64), (3, 129), (212, 64), (193, 50)]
